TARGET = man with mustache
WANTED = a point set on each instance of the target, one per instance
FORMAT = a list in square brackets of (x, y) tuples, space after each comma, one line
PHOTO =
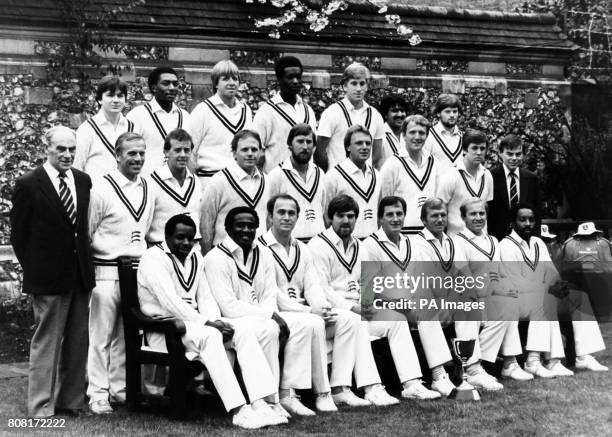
[(531, 272), (282, 112), (174, 189), (342, 115), (120, 214), (95, 153), (444, 139), (49, 235), (468, 179), (217, 119), (155, 118), (242, 279), (303, 180), (240, 183), (393, 109), (413, 174), (171, 283), (338, 261), (356, 178)]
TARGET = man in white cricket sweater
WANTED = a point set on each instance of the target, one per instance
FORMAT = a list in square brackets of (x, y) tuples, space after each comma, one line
[(444, 139), (300, 287), (120, 213), (357, 179), (388, 253), (242, 279), (338, 264), (412, 174), (171, 283), (532, 274), (217, 119), (299, 177), (469, 178), (240, 183), (155, 118), (175, 190)]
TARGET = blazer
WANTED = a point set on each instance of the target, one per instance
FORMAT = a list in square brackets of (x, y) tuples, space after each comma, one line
[(55, 255), (498, 222)]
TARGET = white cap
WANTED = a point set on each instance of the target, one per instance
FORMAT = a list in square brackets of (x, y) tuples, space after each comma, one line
[(544, 232), (587, 228)]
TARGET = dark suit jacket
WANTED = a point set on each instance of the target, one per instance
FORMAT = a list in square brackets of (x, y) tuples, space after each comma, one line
[(498, 223), (55, 255)]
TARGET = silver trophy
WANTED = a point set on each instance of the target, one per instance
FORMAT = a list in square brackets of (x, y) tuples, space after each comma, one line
[(463, 349)]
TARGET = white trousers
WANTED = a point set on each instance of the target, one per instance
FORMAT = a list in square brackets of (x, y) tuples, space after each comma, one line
[(394, 326), (342, 340), (106, 354), (305, 357), (434, 343)]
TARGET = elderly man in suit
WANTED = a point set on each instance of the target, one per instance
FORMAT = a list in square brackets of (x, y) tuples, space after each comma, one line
[(50, 238), (511, 185)]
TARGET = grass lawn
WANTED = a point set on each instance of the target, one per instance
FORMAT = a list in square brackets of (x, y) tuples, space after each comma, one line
[(580, 405)]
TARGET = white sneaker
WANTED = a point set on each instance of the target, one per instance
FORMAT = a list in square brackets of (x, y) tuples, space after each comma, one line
[(537, 369), (484, 381), (347, 397), (559, 369), (280, 412), (247, 418), (101, 407), (325, 402), (443, 385), (379, 397), (515, 372), (419, 391), (293, 405), (589, 362)]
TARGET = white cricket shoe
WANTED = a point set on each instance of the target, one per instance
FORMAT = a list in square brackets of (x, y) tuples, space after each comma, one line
[(485, 382), (419, 391), (538, 370), (293, 405), (559, 369), (443, 385), (515, 372), (589, 362), (379, 397), (347, 397), (325, 403)]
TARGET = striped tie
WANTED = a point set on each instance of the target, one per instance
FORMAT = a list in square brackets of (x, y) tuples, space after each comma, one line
[(513, 190), (66, 198)]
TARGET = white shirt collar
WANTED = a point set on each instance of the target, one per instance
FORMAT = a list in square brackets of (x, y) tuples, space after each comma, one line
[(122, 180), (239, 173), (276, 98), (234, 249), (270, 240), (507, 171), (350, 107), (288, 165), (382, 236), (156, 108), (440, 129), (429, 236), (350, 167), (337, 241), (100, 119), (217, 101), (424, 157), (165, 173), (461, 166), (53, 173)]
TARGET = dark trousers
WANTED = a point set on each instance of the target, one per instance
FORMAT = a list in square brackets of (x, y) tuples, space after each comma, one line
[(58, 353)]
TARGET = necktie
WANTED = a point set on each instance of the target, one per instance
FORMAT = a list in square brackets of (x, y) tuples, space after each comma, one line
[(66, 198), (513, 190)]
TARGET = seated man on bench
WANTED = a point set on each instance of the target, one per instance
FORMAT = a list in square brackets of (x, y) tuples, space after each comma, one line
[(171, 283)]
